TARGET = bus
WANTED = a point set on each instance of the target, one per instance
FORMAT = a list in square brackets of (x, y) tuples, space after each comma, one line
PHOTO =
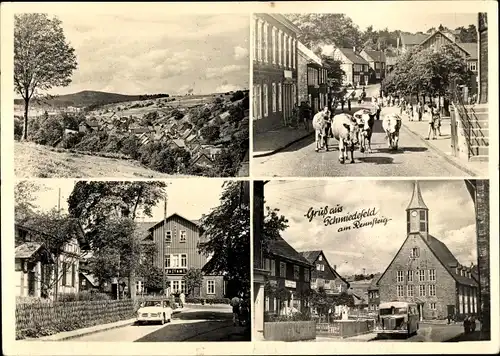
[(397, 318)]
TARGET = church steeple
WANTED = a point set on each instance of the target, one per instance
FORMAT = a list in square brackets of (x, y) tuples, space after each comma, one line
[(417, 213)]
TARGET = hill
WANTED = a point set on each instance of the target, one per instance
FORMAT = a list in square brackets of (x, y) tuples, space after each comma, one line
[(92, 97), (32, 160)]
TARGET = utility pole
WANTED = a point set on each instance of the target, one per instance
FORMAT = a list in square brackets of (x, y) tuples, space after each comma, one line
[(59, 202), (163, 244)]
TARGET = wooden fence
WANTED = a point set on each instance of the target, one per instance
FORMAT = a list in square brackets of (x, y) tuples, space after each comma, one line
[(345, 328), (290, 330), (37, 319)]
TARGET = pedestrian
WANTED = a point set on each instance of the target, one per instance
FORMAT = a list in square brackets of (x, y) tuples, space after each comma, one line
[(402, 108), (296, 115), (466, 325), (182, 298), (349, 103), (419, 110), (378, 109), (328, 127), (449, 319), (410, 110), (437, 119), (432, 127), (473, 323), (235, 303), (342, 102)]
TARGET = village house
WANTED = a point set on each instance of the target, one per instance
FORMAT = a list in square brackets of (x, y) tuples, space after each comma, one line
[(426, 272), (374, 294), (274, 71), (39, 273), (176, 239), (377, 63), (407, 41), (359, 291), (290, 271), (323, 274), (177, 143), (355, 67), (312, 79), (88, 126)]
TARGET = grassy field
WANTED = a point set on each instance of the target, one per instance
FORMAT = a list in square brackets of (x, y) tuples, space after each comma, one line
[(36, 161)]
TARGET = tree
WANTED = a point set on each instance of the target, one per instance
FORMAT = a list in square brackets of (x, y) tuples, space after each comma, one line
[(24, 196), (335, 73), (227, 229), (325, 29), (98, 205), (193, 279), (467, 35), (42, 57)]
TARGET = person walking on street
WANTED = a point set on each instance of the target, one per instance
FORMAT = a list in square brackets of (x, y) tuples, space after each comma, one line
[(342, 102), (437, 119), (419, 110), (235, 303), (432, 124), (296, 116), (378, 109), (349, 103), (410, 111)]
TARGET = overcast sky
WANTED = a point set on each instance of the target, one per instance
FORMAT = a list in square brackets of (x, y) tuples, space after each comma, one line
[(412, 21), (187, 197), (151, 52), (451, 215)]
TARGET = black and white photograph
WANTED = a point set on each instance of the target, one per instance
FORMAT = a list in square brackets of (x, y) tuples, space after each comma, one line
[(353, 94), (150, 94), (132, 261), (359, 267)]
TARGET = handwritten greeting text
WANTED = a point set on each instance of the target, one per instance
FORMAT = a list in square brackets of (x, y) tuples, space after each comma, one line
[(367, 217)]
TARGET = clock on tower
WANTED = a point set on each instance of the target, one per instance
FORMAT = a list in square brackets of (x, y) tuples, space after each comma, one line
[(417, 213)]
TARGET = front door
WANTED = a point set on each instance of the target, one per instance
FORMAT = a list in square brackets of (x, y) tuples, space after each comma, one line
[(451, 310)]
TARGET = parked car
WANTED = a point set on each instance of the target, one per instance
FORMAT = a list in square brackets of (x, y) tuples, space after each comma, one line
[(155, 310)]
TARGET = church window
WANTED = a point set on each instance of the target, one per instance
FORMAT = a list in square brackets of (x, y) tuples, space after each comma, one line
[(415, 252)]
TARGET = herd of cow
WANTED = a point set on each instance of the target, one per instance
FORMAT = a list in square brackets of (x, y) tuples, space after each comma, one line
[(349, 130)]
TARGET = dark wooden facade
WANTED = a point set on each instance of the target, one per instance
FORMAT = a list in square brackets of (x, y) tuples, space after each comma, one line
[(483, 57)]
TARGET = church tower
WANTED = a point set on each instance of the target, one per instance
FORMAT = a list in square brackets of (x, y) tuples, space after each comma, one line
[(417, 213)]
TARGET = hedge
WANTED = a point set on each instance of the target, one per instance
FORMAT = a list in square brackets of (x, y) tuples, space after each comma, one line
[(43, 319), (208, 300)]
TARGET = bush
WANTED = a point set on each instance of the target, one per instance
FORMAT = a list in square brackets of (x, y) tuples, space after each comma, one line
[(269, 317), (83, 296), (50, 131), (177, 114), (199, 300)]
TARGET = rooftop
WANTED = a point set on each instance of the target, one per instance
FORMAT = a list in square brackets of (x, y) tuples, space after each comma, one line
[(279, 247)]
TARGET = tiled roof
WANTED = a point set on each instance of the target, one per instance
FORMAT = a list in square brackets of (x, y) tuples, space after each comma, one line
[(373, 284), (444, 255), (470, 48), (413, 39), (353, 56), (310, 54), (153, 224), (179, 143), (311, 256), (377, 56), (27, 249), (279, 247), (91, 278)]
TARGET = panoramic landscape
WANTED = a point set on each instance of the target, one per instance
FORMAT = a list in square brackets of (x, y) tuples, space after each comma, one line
[(101, 106)]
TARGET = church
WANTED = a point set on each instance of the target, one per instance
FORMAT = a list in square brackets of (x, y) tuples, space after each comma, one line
[(425, 272)]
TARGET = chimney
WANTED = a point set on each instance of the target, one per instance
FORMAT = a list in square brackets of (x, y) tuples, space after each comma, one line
[(203, 216), (335, 267), (354, 49)]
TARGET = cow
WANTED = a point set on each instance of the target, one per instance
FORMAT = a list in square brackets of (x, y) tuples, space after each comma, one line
[(365, 120), (346, 131), (320, 123), (391, 125)]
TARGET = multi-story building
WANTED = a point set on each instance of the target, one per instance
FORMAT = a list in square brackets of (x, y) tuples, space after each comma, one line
[(424, 271), (355, 67), (374, 294), (377, 63), (290, 271), (176, 239), (324, 275), (274, 71), (41, 271), (312, 79)]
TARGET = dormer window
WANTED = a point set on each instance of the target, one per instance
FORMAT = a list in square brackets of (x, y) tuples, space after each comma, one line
[(320, 258)]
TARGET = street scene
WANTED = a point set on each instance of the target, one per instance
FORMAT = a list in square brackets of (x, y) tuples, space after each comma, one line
[(368, 77), (153, 94), (149, 261), (412, 268)]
